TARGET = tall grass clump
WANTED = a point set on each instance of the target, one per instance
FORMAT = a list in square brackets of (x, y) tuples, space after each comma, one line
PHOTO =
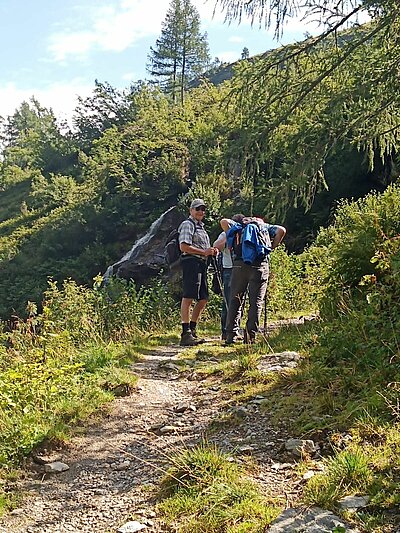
[(347, 472), (205, 492)]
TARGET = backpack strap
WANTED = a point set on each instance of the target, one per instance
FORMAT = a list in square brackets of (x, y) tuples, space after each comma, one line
[(190, 220), (185, 255)]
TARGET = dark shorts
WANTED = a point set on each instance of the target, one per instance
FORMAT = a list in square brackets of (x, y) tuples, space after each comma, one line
[(194, 278)]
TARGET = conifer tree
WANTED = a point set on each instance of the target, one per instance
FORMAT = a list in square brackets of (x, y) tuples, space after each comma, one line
[(181, 52)]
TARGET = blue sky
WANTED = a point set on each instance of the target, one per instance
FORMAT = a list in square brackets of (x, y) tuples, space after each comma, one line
[(54, 50)]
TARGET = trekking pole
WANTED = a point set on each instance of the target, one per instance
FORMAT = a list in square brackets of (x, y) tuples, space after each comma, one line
[(242, 306), (219, 278), (265, 313)]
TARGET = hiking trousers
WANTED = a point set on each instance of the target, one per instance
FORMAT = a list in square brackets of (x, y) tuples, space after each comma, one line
[(226, 284), (254, 279)]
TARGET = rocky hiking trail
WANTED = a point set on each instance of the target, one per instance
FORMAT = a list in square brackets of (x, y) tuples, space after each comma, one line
[(114, 468)]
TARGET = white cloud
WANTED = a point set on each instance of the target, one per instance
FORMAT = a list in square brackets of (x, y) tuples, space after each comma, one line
[(77, 44), (61, 97), (206, 11), (128, 76), (117, 26), (235, 39), (228, 56), (114, 28)]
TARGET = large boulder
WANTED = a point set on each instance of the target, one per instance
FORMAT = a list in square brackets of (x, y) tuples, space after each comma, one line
[(146, 257)]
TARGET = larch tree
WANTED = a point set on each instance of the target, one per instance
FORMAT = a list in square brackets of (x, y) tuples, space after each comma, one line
[(181, 52), (314, 98)]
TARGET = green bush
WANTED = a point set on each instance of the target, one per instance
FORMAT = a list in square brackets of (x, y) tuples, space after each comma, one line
[(362, 246), (361, 300), (294, 284)]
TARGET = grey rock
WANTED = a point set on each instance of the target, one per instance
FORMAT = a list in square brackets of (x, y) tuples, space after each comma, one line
[(56, 467), (146, 257), (167, 429), (131, 527), (182, 407), (123, 466), (299, 447), (354, 502), (313, 520), (240, 411), (281, 466), (170, 366), (246, 449)]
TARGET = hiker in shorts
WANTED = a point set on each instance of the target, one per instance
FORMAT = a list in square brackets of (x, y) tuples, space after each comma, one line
[(195, 246), (250, 277), (226, 274)]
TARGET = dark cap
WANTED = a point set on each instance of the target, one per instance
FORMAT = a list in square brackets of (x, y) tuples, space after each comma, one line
[(197, 202)]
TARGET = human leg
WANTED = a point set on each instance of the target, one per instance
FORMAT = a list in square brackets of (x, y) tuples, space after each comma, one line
[(194, 288), (239, 282), (198, 309), (191, 289), (185, 310), (258, 281), (226, 290)]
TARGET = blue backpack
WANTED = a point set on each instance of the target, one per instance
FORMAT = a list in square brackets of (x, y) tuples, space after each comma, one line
[(250, 240)]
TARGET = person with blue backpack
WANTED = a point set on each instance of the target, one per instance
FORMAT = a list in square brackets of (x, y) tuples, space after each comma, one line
[(251, 241)]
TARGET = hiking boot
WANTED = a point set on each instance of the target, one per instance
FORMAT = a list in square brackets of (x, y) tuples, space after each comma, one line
[(194, 334), (236, 338), (187, 339), (249, 338)]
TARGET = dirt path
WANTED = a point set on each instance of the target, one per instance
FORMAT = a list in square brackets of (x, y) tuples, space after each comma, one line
[(116, 465)]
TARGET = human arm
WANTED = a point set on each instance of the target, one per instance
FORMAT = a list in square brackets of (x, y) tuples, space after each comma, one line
[(280, 232), (225, 223), (190, 249), (220, 242)]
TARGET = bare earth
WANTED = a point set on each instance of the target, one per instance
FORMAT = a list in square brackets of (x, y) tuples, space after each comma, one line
[(116, 465)]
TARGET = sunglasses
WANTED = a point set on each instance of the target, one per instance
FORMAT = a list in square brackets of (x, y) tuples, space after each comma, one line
[(200, 208)]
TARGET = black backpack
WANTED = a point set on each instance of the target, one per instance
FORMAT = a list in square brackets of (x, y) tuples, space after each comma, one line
[(262, 235), (172, 251)]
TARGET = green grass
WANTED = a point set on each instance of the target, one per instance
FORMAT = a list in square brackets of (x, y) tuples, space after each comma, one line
[(205, 492), (323, 402), (46, 399)]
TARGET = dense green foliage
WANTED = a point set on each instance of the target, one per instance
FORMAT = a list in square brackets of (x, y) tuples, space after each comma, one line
[(303, 105), (361, 269), (59, 365), (70, 200)]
